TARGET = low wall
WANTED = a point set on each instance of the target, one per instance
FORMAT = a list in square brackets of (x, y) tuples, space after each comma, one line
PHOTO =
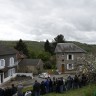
[(26, 74), (10, 77)]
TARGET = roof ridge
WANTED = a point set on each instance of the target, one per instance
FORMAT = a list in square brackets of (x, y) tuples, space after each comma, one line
[(68, 47)]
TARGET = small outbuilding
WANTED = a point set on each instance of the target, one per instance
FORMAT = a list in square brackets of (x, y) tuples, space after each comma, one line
[(34, 66)]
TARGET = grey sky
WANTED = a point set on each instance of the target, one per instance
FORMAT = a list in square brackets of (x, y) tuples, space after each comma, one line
[(45, 19)]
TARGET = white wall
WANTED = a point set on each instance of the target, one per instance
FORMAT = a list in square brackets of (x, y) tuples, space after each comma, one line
[(8, 78)]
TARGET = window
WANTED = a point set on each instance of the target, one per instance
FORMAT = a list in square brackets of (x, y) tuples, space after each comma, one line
[(70, 66), (11, 72), (2, 62), (70, 57), (11, 61), (62, 54)]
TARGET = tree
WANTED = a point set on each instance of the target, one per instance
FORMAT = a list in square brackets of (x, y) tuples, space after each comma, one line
[(45, 56), (48, 65), (47, 46), (58, 39), (87, 62), (32, 54), (21, 46), (88, 66)]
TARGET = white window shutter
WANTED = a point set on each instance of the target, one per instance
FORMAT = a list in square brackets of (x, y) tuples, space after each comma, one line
[(72, 66), (72, 57), (68, 66), (13, 70), (9, 72), (67, 57), (12, 61), (4, 63)]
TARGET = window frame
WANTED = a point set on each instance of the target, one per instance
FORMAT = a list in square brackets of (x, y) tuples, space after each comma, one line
[(11, 61), (2, 65), (72, 57), (68, 68), (11, 72)]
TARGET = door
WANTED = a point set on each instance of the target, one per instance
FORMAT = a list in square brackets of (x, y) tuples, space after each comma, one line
[(1, 78), (62, 68)]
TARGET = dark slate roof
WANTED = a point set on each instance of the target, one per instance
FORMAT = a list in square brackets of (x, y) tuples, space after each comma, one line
[(68, 47), (31, 62), (5, 50)]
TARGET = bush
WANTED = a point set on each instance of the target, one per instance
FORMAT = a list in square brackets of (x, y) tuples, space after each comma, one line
[(48, 65)]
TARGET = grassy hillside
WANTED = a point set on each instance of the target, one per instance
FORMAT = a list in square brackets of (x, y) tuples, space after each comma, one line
[(87, 47), (33, 46), (36, 46)]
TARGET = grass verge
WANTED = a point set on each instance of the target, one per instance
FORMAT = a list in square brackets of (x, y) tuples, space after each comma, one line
[(89, 90)]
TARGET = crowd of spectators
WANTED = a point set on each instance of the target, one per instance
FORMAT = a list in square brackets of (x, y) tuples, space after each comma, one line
[(49, 85)]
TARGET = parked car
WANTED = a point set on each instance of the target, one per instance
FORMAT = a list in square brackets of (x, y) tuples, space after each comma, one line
[(44, 75)]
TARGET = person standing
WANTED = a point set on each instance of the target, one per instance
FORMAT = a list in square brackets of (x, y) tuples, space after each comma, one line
[(43, 88), (36, 88), (19, 90), (13, 89), (1, 92)]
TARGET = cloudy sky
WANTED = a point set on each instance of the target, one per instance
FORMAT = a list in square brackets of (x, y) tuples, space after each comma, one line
[(38, 20)]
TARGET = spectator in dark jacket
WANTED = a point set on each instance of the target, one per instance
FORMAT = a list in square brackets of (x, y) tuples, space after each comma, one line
[(13, 89), (36, 88), (54, 84), (61, 85), (69, 82), (50, 85), (1, 92), (84, 80), (75, 82), (47, 85), (43, 88), (7, 92)]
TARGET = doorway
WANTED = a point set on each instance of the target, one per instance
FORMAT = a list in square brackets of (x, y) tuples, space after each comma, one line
[(62, 68), (1, 78)]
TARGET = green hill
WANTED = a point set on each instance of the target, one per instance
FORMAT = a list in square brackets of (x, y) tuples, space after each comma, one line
[(35, 46), (90, 48)]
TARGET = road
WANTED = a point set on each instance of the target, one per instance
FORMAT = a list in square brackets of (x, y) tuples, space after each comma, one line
[(31, 82), (51, 76)]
